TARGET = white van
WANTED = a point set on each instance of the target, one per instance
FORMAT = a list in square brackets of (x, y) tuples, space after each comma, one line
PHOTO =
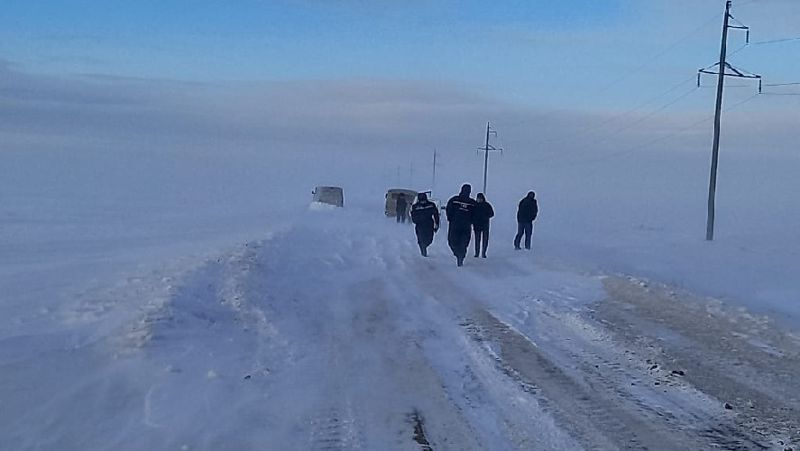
[(391, 200), (331, 195)]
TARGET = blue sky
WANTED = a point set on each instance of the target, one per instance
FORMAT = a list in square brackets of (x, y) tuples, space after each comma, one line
[(570, 86), (530, 52), (282, 39)]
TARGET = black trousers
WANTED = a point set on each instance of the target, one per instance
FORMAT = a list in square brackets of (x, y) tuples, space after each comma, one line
[(458, 238), (481, 240), (525, 228), (424, 236), (401, 215)]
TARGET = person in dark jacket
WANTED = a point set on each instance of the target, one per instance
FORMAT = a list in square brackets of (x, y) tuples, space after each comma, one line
[(481, 216), (401, 208), (526, 214), (459, 212), (425, 216)]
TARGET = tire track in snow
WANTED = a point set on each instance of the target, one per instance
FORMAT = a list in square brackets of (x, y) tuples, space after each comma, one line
[(599, 424), (613, 416), (347, 319), (716, 351), (520, 420), (419, 431), (372, 370), (659, 395)]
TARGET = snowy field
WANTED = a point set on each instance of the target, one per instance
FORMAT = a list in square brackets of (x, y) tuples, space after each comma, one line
[(152, 302), (164, 284)]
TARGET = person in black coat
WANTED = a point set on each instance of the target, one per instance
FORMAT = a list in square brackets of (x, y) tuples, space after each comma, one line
[(526, 214), (481, 216), (425, 216), (401, 208), (459, 212)]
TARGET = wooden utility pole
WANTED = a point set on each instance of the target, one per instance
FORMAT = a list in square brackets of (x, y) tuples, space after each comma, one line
[(486, 158), (724, 69), (433, 183), (712, 184), (486, 149)]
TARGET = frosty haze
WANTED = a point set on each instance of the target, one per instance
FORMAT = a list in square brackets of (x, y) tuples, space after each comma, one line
[(113, 192)]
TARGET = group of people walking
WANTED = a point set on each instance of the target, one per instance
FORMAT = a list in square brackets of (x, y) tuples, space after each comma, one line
[(466, 216)]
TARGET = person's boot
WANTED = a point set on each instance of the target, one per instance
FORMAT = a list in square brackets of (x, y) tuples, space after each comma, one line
[(423, 251), (460, 261)]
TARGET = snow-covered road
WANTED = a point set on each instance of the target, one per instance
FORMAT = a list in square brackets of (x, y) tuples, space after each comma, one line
[(334, 333)]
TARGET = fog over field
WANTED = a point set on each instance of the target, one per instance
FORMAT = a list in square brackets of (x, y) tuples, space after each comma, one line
[(165, 285), (82, 151)]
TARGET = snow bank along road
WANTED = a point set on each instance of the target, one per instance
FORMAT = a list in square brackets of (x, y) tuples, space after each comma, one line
[(335, 335)]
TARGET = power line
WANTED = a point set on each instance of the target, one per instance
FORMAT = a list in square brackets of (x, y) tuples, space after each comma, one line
[(644, 65), (782, 84), (777, 41), (618, 131), (726, 86), (645, 103), (746, 3), (595, 127), (657, 56), (646, 144), (744, 46), (736, 72), (592, 129), (656, 111), (657, 140), (738, 104), (690, 126), (724, 69)]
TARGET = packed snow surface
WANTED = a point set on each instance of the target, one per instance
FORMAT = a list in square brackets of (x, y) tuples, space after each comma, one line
[(154, 301), (331, 332)]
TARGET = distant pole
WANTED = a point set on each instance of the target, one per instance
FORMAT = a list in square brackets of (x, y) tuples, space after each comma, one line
[(433, 184), (486, 149), (712, 184), (486, 158)]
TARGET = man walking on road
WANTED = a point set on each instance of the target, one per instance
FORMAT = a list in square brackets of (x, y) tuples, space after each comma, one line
[(401, 208), (483, 213), (526, 214), (459, 212), (425, 216)]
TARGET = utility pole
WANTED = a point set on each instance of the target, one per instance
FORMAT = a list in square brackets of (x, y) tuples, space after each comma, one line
[(433, 183), (486, 149), (721, 74), (712, 184)]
